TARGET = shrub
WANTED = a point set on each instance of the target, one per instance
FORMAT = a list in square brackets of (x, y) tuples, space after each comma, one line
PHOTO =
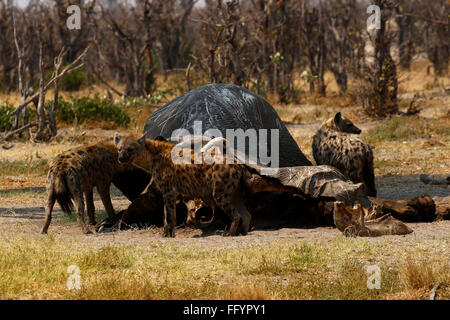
[(134, 102), (150, 100), (94, 108), (73, 81), (5, 115)]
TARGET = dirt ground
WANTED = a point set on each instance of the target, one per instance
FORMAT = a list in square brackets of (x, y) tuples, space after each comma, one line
[(20, 218)]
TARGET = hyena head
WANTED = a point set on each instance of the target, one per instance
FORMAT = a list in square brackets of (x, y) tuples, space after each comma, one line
[(128, 147), (342, 124)]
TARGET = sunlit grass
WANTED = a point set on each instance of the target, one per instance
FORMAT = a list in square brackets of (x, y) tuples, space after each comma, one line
[(401, 128), (36, 267), (23, 167)]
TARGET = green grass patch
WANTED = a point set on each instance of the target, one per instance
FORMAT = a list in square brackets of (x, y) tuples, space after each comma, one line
[(91, 108), (28, 193), (400, 128), (24, 167), (5, 115)]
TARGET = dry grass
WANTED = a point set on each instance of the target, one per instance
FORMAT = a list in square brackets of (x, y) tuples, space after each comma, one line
[(36, 268), (418, 79), (419, 277), (246, 291), (402, 146)]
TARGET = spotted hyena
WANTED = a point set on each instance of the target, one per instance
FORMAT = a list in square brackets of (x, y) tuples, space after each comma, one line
[(218, 185), (76, 172), (336, 143)]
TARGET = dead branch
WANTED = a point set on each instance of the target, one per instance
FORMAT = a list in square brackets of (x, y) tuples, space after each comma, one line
[(100, 78), (71, 67), (413, 107), (25, 127), (188, 77), (433, 291)]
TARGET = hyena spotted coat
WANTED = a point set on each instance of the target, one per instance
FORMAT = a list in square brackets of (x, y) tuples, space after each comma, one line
[(76, 172), (218, 185), (336, 143)]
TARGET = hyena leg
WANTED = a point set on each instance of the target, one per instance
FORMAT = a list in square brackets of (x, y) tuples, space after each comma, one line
[(170, 214), (244, 214), (225, 202), (48, 211), (246, 218), (103, 190), (79, 205), (88, 194), (77, 193)]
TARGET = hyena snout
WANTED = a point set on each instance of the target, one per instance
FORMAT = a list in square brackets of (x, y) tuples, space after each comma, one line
[(356, 130), (124, 157)]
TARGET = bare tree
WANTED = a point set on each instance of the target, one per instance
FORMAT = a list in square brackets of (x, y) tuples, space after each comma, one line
[(343, 39), (7, 63), (260, 44), (224, 46), (169, 18), (405, 27), (25, 75), (437, 34), (45, 116), (380, 95), (312, 28)]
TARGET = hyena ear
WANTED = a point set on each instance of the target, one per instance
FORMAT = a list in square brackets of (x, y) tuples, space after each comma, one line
[(141, 140), (337, 117), (117, 138)]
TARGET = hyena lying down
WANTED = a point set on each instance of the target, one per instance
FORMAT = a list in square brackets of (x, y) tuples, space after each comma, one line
[(218, 185), (77, 171)]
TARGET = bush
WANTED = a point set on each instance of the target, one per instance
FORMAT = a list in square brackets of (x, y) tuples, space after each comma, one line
[(5, 115), (150, 100), (73, 81), (94, 108), (134, 102)]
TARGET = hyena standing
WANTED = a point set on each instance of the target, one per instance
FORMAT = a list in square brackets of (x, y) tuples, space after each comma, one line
[(76, 172), (336, 144), (218, 185)]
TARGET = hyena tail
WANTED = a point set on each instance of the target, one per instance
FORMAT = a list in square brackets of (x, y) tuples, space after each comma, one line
[(62, 193), (369, 177)]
